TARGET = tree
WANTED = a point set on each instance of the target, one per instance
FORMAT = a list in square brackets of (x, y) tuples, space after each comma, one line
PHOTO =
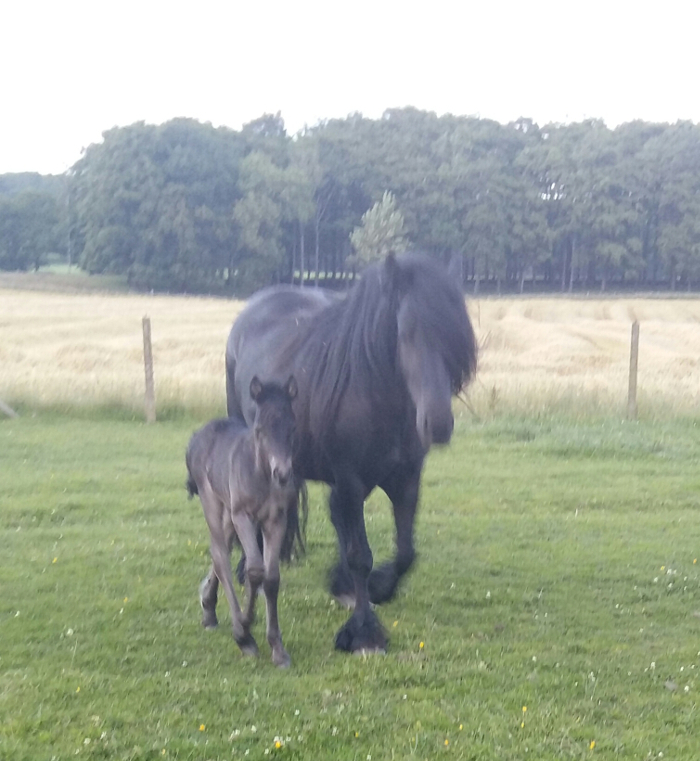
[(380, 233), (30, 227)]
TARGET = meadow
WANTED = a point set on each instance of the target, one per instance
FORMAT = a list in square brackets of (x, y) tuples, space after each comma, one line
[(67, 351), (553, 612)]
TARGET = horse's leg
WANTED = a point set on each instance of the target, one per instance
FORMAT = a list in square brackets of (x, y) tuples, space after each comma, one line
[(273, 533), (362, 632), (214, 514), (341, 583), (402, 488), (247, 535), (208, 589)]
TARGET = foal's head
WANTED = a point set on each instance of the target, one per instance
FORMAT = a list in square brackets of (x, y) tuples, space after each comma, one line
[(274, 427)]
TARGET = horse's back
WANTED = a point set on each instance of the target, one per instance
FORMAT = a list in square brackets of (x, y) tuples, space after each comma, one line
[(263, 334)]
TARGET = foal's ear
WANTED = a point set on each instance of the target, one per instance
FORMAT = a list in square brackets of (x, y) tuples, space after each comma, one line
[(291, 388), (256, 388)]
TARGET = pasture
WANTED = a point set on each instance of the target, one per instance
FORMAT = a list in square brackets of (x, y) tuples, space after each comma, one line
[(553, 612)]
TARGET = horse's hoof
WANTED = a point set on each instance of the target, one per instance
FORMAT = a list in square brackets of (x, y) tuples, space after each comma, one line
[(365, 651), (367, 638), (382, 583)]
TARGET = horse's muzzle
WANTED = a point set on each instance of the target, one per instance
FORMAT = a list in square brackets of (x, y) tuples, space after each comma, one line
[(435, 429)]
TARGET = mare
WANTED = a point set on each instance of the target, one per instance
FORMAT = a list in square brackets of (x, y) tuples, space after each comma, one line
[(246, 484), (376, 372)]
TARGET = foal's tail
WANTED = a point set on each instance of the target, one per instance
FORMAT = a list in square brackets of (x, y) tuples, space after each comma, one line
[(294, 543), (191, 486)]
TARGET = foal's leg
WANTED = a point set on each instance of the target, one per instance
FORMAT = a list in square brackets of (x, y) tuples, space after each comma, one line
[(214, 514), (208, 589), (273, 535), (362, 632), (246, 530), (402, 488)]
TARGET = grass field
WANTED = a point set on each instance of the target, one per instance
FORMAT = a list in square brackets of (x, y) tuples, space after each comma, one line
[(84, 350), (553, 614), (554, 611)]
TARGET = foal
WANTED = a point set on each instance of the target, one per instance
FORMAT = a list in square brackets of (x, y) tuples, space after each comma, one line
[(245, 482)]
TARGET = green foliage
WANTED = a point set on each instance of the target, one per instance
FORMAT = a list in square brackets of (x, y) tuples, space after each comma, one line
[(554, 596), (380, 233), (185, 206), (30, 228)]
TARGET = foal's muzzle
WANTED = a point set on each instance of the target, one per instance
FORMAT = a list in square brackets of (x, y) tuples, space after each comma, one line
[(281, 473)]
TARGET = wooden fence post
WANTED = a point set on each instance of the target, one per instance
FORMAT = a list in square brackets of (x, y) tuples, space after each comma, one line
[(634, 360), (148, 365), (7, 409)]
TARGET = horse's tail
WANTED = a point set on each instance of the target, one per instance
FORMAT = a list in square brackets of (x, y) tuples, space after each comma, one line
[(233, 405), (294, 543)]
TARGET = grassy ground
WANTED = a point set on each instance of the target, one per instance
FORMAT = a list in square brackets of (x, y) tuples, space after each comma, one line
[(553, 614)]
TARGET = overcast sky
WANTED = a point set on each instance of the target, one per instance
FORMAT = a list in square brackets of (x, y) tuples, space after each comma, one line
[(71, 69)]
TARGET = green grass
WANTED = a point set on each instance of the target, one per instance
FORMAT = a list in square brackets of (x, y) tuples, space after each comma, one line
[(556, 573)]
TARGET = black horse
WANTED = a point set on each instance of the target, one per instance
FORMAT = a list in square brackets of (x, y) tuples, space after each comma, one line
[(376, 371)]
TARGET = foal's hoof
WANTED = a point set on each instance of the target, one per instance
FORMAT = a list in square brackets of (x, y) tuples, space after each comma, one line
[(248, 646), (281, 659), (209, 619), (367, 638)]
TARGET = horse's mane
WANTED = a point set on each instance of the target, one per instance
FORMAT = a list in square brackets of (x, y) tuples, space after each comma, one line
[(353, 343), (440, 309)]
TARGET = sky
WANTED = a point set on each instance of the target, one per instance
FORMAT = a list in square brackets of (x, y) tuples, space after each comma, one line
[(72, 69)]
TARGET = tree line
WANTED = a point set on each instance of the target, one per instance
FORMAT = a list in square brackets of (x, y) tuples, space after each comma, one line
[(184, 206)]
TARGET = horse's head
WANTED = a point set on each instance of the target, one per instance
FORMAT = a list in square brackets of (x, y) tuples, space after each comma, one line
[(436, 347), (274, 427)]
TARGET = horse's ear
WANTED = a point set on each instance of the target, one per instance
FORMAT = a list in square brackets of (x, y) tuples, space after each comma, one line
[(395, 278), (291, 388), (256, 388)]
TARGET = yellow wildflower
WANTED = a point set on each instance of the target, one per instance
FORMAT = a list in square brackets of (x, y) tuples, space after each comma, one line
[(202, 727), (592, 745), (421, 646)]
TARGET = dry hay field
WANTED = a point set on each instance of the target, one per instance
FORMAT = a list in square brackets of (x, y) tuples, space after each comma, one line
[(538, 355)]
